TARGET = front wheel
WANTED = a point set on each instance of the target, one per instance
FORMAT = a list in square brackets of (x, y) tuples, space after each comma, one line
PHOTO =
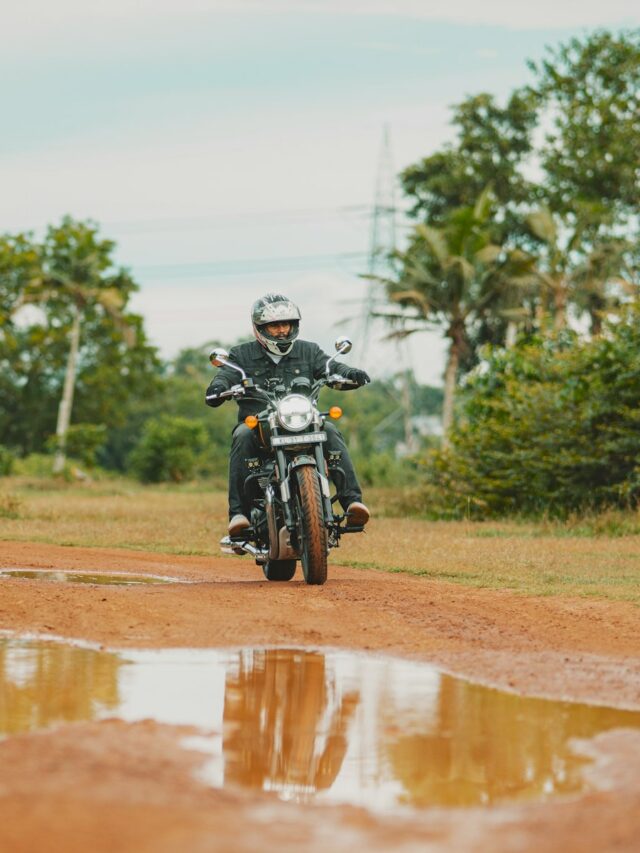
[(312, 533), (279, 570)]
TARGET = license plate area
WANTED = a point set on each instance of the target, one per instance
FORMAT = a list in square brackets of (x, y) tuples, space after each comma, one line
[(303, 438)]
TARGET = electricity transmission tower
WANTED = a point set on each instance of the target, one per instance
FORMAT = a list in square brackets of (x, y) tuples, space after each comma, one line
[(381, 249), (383, 238)]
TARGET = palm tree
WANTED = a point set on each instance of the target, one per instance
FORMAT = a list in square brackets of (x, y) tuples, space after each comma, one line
[(74, 278), (451, 276), (553, 270), (605, 280), (81, 299), (578, 267)]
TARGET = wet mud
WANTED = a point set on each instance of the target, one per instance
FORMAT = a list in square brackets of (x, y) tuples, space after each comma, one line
[(61, 576), (388, 755)]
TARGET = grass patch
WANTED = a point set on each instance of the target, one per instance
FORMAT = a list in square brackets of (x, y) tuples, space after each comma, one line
[(533, 558), (11, 506)]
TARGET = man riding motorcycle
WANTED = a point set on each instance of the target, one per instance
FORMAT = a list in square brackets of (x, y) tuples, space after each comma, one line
[(278, 355)]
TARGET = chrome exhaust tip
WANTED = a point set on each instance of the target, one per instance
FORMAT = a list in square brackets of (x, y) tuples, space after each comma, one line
[(227, 546)]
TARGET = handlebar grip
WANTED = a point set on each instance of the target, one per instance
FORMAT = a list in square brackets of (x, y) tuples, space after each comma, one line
[(224, 395)]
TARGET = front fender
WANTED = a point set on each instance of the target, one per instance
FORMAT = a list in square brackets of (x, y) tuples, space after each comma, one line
[(305, 459)]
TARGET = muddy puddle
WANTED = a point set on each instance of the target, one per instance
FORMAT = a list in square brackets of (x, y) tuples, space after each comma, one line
[(325, 726), (112, 579)]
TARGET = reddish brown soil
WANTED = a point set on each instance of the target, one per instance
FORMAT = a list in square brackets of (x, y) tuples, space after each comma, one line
[(111, 786)]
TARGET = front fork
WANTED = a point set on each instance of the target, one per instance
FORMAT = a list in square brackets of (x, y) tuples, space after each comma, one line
[(331, 521), (285, 487)]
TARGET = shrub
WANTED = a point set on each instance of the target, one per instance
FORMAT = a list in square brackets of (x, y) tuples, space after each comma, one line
[(7, 461), (168, 450), (551, 426), (83, 441)]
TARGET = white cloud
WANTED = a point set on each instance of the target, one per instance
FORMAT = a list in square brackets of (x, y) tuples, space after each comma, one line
[(544, 13), (32, 22), (275, 160), (507, 13), (212, 170)]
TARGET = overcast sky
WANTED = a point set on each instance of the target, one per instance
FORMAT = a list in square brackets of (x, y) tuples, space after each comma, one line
[(231, 146)]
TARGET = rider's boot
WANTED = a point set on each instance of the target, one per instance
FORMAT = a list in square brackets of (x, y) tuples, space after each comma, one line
[(357, 514), (237, 524)]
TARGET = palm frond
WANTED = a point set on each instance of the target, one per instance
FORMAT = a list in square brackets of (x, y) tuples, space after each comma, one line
[(543, 225), (435, 240), (489, 254), (416, 298), (483, 205)]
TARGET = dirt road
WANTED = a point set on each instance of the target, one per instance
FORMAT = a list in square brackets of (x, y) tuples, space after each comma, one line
[(131, 787)]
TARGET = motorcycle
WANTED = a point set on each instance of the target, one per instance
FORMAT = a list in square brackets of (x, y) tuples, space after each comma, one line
[(292, 510)]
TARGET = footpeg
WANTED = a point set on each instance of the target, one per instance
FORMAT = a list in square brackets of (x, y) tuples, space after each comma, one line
[(227, 546), (241, 545)]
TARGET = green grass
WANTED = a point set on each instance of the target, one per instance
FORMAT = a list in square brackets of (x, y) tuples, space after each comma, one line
[(535, 558)]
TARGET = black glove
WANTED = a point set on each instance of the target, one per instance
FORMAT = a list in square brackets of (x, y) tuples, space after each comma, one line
[(215, 388), (359, 376)]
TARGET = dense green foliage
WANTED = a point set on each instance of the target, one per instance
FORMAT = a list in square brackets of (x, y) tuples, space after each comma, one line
[(6, 461), (496, 254), (168, 450), (549, 426), (83, 442), (590, 90), (42, 285)]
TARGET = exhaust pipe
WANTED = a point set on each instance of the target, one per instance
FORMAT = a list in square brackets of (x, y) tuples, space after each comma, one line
[(229, 547), (258, 553)]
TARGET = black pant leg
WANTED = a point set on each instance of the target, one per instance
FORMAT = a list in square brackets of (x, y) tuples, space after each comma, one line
[(337, 456), (243, 459)]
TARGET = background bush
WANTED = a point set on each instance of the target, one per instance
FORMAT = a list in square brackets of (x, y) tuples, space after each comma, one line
[(550, 426), (6, 461), (168, 450)]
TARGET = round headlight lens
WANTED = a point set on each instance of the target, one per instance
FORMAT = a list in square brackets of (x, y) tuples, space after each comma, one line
[(295, 412)]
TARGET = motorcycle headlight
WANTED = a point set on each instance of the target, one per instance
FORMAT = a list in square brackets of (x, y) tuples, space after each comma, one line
[(295, 412)]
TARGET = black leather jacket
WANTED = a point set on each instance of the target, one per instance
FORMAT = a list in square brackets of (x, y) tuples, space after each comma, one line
[(304, 359)]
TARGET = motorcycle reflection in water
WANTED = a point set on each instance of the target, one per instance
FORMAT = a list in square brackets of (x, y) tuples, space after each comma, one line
[(285, 723)]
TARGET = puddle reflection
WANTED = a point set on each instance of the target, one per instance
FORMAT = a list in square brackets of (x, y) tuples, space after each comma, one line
[(43, 683), (286, 722), (327, 726), (115, 579)]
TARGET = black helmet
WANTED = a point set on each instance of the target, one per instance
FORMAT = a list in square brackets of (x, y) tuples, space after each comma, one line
[(275, 308)]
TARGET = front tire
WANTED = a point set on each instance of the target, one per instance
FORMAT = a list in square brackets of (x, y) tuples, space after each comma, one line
[(312, 533), (279, 570)]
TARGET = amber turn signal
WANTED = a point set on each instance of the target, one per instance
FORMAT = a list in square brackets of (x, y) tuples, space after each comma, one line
[(335, 412), (251, 421)]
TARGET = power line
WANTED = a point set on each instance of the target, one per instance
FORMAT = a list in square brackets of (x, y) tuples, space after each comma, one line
[(229, 219), (249, 266)]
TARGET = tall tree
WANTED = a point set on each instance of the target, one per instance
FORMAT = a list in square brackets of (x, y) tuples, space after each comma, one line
[(491, 146), (589, 93), (19, 264), (78, 275), (451, 276), (67, 315)]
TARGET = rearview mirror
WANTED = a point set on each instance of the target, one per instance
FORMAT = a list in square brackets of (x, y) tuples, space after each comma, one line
[(218, 356), (343, 345)]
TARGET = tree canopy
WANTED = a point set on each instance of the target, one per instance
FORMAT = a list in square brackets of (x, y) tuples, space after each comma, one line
[(42, 284)]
